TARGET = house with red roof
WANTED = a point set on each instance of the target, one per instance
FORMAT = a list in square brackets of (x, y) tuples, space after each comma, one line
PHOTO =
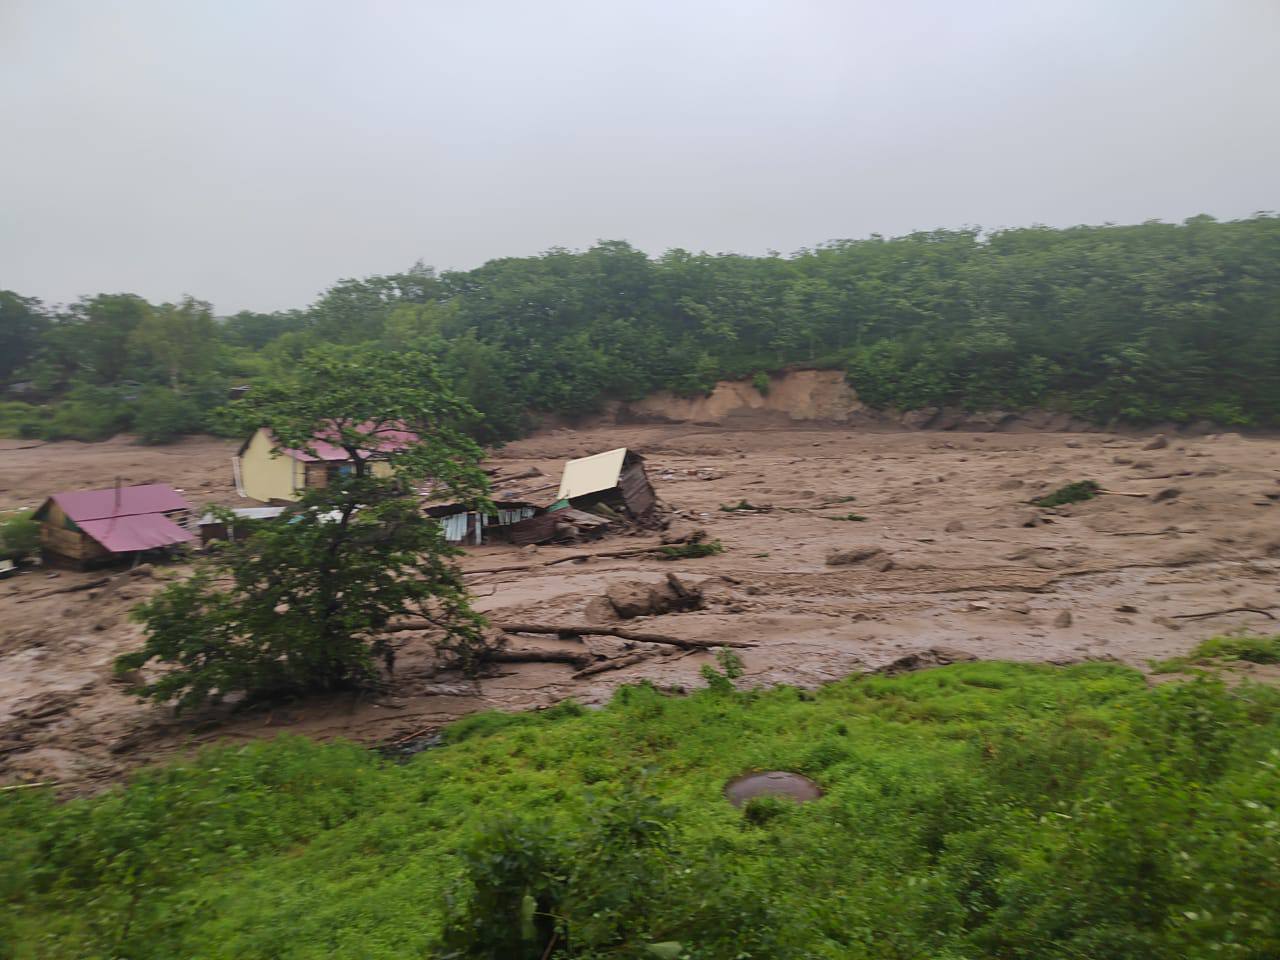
[(268, 472), (86, 527)]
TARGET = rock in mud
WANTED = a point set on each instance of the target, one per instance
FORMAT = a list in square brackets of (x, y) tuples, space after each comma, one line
[(1063, 619), (635, 598), (924, 659), (955, 526), (854, 555), (599, 610), (1158, 442), (1168, 493)]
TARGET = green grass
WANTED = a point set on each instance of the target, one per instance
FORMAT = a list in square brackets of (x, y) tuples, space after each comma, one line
[(1219, 650), (983, 810), (1076, 492), (852, 517)]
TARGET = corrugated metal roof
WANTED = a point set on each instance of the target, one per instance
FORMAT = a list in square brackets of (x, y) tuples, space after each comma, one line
[(591, 474), (142, 532), (81, 505), (384, 440), (248, 513)]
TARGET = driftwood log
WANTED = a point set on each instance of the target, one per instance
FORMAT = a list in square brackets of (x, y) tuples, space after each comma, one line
[(92, 584), (629, 552), (1214, 613), (585, 630), (579, 659), (614, 663)]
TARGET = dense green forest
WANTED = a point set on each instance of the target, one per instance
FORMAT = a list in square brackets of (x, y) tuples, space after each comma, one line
[(980, 810), (1154, 322)]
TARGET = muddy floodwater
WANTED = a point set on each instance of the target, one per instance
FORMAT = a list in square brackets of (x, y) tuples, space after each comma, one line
[(952, 555)]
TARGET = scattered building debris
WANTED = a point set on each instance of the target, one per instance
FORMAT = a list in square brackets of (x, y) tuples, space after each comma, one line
[(462, 523), (563, 525)]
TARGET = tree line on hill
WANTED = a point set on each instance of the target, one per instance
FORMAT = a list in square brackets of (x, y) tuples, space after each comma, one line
[(1145, 323)]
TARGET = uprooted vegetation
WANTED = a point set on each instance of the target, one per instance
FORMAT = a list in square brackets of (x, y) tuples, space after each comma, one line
[(978, 810), (1077, 492)]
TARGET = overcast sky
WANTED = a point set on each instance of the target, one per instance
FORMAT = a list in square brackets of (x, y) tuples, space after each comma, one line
[(251, 152)]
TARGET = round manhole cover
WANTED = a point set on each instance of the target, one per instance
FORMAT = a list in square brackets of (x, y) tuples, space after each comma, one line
[(771, 783)]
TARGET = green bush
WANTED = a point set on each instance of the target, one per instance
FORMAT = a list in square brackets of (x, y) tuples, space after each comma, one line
[(88, 414), (1076, 492), (163, 416), (983, 810), (19, 535)]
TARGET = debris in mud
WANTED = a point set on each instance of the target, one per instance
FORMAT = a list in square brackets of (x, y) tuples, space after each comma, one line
[(924, 659), (633, 598), (855, 555), (1158, 442), (1063, 619)]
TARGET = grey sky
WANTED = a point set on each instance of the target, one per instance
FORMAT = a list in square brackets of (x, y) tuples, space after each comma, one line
[(250, 152)]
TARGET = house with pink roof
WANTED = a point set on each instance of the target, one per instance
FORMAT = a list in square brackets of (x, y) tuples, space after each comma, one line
[(265, 471), (82, 528)]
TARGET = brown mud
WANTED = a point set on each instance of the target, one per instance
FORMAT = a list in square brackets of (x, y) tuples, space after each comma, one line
[(950, 556)]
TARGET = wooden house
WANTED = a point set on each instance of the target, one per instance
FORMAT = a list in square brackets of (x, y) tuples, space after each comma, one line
[(268, 472), (87, 527)]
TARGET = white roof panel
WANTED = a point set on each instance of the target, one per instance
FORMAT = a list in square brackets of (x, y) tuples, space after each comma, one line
[(591, 474)]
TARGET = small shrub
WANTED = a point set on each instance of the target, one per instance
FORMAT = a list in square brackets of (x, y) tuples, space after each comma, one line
[(688, 551), (1072, 493), (19, 536), (761, 382)]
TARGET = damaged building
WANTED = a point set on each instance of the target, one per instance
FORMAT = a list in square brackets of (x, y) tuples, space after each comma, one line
[(463, 524), (615, 480)]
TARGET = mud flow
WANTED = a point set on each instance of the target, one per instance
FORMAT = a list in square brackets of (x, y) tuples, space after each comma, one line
[(861, 547)]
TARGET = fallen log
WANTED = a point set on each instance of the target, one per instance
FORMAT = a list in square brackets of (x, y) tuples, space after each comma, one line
[(578, 659), (615, 663), (1214, 613), (584, 630), (629, 552), (72, 589)]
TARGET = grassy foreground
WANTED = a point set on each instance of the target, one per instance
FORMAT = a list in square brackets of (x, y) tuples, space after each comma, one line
[(981, 810)]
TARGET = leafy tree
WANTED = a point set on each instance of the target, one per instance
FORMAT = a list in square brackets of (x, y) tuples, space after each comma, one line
[(22, 323), (162, 416), (310, 594), (178, 338)]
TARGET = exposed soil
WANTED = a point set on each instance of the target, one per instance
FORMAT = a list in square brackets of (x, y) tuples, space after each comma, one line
[(951, 556)]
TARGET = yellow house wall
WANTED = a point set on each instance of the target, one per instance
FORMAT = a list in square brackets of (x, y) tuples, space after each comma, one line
[(266, 477)]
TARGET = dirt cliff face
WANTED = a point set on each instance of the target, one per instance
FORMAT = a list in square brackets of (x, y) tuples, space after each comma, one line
[(818, 395)]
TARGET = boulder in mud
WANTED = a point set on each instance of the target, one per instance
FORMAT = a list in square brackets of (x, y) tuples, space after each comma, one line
[(924, 659), (853, 555), (635, 598), (1158, 442)]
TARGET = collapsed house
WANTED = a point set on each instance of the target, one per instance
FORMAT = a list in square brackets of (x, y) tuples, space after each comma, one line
[(83, 528), (462, 523), (615, 480), (266, 471)]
